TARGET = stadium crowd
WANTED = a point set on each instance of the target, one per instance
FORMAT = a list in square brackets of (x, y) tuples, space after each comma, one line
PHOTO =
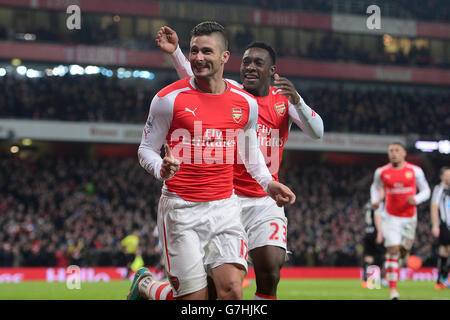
[(328, 47), (58, 211), (72, 210), (413, 9), (98, 98)]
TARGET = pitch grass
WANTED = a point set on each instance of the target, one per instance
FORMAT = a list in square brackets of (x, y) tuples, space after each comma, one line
[(328, 289)]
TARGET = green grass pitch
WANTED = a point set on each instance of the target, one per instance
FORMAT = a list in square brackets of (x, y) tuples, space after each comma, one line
[(326, 289)]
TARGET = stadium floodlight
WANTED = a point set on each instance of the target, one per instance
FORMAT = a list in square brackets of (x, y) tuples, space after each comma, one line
[(147, 75), (22, 70), (444, 146), (76, 69), (120, 73), (106, 72), (136, 74), (60, 70), (29, 37), (426, 146), (2, 72), (16, 62), (27, 142), (32, 73), (14, 149), (92, 70)]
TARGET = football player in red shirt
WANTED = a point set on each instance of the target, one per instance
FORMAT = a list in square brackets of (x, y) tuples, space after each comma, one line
[(400, 180), (206, 121)]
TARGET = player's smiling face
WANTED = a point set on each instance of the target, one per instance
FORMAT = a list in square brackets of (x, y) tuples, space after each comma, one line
[(256, 71), (207, 55), (396, 154)]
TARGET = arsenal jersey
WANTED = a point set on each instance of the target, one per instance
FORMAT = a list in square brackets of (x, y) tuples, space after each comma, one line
[(399, 184), (201, 129)]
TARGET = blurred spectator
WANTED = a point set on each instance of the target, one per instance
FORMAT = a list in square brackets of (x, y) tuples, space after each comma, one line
[(437, 10), (87, 98), (98, 98), (48, 218), (3, 32), (242, 39)]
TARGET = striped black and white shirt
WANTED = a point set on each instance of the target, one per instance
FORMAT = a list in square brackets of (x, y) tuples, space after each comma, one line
[(441, 197)]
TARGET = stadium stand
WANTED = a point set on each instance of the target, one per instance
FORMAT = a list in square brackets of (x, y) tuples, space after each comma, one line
[(98, 98)]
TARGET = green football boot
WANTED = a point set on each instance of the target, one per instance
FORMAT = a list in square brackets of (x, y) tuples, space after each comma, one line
[(134, 289)]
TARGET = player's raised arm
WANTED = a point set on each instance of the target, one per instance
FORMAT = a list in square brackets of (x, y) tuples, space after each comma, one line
[(153, 137), (307, 119), (167, 41)]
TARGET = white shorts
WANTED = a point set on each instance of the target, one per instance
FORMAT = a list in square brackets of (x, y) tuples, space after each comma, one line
[(197, 237), (264, 222), (398, 231)]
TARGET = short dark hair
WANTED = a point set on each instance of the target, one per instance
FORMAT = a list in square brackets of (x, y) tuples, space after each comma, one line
[(398, 143), (264, 46), (206, 28)]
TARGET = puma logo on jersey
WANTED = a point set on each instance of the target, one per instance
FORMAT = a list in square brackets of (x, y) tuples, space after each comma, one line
[(274, 92), (191, 111)]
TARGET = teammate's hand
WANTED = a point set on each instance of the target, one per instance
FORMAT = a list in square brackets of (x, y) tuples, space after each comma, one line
[(435, 231), (167, 39), (411, 201), (280, 193), (287, 88), (375, 205), (170, 165)]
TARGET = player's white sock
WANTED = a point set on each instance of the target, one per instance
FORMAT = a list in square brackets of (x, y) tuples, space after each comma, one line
[(155, 290), (260, 296), (392, 270)]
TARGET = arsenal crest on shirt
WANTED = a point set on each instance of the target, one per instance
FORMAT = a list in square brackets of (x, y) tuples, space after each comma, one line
[(280, 107), (236, 114), (174, 282)]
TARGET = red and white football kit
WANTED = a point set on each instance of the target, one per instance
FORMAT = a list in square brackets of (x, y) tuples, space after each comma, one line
[(265, 222), (198, 213), (400, 219)]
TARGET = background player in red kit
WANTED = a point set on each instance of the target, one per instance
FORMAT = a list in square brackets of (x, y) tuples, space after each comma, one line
[(400, 180), (202, 119), (279, 106)]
